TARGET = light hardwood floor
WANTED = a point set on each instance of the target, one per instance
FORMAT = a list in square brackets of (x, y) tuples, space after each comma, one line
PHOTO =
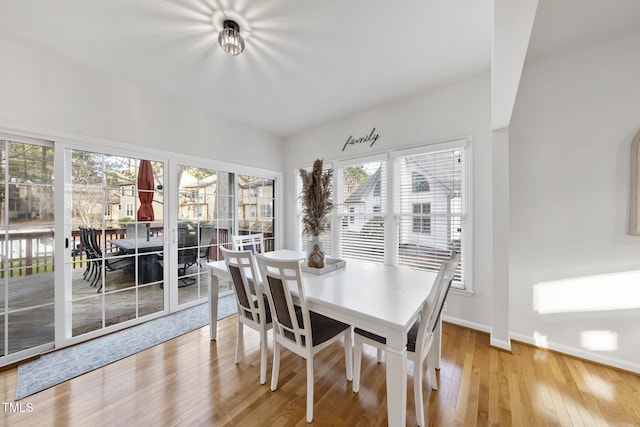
[(193, 381)]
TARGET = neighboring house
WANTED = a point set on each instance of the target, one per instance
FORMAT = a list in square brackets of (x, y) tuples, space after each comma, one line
[(255, 204), (198, 202), (427, 206), (197, 198), (432, 196), (26, 201), (365, 199), (124, 203)]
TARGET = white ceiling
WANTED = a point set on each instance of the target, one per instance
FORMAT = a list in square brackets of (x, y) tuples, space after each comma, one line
[(305, 61)]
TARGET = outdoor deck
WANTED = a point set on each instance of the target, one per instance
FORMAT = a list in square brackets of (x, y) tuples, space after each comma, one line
[(35, 326)]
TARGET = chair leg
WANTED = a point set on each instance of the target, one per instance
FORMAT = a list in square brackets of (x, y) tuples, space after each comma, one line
[(276, 365), (86, 270), (239, 342), (431, 372), (417, 392), (310, 388), (357, 363), (92, 272), (348, 353), (97, 277), (379, 355), (263, 355)]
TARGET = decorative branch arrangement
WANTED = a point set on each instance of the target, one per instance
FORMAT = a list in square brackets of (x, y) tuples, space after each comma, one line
[(316, 198)]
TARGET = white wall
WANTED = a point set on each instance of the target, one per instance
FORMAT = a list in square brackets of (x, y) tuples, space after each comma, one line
[(570, 138), (451, 112), (42, 90)]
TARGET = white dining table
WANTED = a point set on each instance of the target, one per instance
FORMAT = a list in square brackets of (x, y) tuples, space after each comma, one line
[(383, 299)]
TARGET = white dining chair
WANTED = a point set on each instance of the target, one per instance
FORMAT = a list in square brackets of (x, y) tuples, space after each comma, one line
[(420, 338), (249, 242), (297, 329), (253, 306)]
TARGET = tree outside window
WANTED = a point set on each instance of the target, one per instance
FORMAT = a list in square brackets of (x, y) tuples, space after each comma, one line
[(419, 183)]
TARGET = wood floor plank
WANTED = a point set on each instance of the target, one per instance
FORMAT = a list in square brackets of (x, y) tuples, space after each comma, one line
[(193, 381)]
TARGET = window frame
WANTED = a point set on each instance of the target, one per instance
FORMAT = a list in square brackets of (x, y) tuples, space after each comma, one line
[(391, 217)]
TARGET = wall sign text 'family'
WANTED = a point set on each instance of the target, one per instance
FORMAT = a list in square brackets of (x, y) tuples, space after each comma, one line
[(372, 138)]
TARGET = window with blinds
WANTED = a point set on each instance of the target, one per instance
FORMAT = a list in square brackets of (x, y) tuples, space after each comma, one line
[(429, 210), (362, 210), (425, 221)]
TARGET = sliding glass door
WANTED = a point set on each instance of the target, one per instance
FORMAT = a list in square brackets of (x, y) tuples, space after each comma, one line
[(256, 202), (205, 220), (212, 206), (115, 272), (26, 249), (130, 246)]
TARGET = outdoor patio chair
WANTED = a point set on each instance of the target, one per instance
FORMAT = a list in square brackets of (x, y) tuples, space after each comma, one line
[(137, 230), (91, 256), (207, 239), (187, 254), (111, 262)]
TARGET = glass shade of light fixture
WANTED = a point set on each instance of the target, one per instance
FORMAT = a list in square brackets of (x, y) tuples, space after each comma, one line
[(230, 39)]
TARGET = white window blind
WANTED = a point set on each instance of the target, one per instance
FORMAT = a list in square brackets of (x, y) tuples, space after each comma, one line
[(362, 210), (422, 209), (429, 211)]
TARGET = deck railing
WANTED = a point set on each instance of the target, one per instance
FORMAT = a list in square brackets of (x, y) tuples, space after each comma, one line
[(28, 252)]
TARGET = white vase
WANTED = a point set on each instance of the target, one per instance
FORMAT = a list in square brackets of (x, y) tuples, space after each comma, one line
[(315, 252)]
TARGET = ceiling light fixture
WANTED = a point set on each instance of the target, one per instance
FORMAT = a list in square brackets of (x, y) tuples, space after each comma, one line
[(230, 39)]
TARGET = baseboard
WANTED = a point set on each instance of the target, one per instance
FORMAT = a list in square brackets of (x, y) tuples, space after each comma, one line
[(580, 354), (499, 344), (467, 324), (566, 350)]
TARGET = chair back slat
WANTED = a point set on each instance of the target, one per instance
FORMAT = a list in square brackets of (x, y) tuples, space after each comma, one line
[(84, 240), (281, 307), (238, 285), (249, 242), (93, 242)]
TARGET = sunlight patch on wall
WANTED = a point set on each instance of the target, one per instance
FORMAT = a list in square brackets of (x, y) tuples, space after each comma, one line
[(599, 340), (614, 291)]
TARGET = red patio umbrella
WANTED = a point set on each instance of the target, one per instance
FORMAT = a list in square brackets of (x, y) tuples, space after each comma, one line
[(146, 186)]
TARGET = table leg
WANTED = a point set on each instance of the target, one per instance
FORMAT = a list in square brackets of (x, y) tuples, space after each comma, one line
[(212, 289), (397, 385)]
